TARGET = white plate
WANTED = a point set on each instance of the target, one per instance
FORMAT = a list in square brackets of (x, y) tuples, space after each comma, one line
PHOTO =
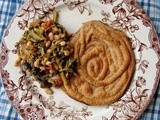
[(30, 100)]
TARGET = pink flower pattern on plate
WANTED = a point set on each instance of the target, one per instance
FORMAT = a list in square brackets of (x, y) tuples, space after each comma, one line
[(72, 4), (124, 12), (107, 1)]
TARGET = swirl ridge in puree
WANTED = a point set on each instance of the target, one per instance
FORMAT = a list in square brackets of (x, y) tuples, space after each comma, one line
[(105, 64)]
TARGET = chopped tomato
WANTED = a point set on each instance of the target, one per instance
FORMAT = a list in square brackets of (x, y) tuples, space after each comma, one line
[(47, 24), (57, 80)]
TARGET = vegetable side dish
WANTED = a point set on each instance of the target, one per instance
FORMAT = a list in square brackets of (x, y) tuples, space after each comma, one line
[(44, 52)]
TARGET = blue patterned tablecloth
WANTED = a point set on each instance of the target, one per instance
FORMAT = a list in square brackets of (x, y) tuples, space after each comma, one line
[(8, 9)]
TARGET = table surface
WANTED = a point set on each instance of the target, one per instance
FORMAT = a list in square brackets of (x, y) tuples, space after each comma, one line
[(8, 9)]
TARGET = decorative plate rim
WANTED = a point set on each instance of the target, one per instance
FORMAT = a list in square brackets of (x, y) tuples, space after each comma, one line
[(153, 90)]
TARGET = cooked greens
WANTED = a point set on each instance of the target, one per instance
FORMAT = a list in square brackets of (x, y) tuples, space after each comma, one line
[(45, 53)]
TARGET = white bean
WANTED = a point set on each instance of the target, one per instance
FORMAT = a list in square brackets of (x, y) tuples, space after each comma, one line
[(48, 63), (51, 36), (55, 29), (56, 37), (63, 43), (18, 61), (48, 91), (29, 43), (48, 43), (62, 35), (49, 51), (45, 59), (42, 68), (66, 52), (51, 71), (36, 63), (42, 62)]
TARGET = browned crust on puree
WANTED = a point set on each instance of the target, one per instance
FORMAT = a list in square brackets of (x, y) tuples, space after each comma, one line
[(105, 64)]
